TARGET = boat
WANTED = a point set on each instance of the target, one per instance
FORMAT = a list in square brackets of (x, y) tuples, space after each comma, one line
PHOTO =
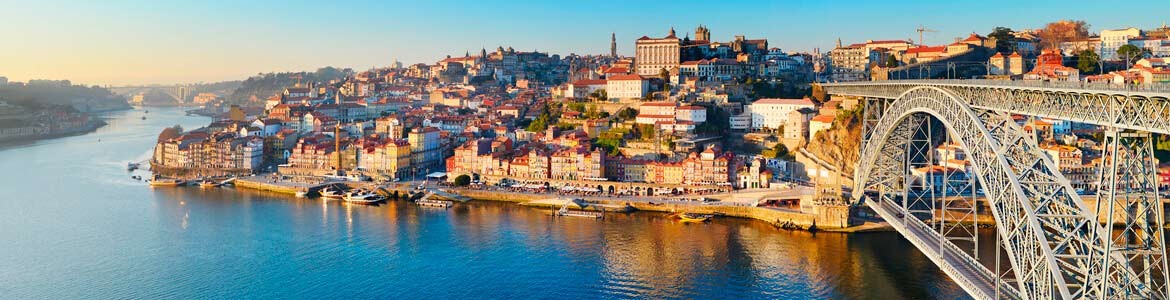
[(165, 182), (301, 194), (144, 117), (565, 212), (362, 196), (693, 217), (331, 193), (208, 184), (434, 203), (131, 166)]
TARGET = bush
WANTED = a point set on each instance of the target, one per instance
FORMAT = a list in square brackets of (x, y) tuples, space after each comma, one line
[(462, 180)]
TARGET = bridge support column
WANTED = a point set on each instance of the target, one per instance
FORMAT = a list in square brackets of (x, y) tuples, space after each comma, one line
[(1128, 197)]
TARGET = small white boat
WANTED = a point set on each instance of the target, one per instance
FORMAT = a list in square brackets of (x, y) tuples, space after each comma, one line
[(362, 196), (331, 193), (131, 166)]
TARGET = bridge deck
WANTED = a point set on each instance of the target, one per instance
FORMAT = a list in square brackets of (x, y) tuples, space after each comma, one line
[(965, 271)]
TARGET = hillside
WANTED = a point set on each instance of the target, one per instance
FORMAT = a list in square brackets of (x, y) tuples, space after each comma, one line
[(841, 142), (61, 93), (263, 85)]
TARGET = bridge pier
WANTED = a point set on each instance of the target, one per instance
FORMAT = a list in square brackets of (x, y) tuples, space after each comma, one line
[(1128, 195)]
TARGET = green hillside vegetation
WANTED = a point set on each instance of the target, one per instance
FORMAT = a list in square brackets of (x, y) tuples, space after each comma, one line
[(264, 85)]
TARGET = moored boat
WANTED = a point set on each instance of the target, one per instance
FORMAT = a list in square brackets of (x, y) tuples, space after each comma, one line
[(693, 217), (332, 193), (165, 182), (362, 196), (208, 184)]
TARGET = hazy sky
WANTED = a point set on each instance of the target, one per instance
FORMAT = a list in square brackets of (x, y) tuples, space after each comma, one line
[(136, 42)]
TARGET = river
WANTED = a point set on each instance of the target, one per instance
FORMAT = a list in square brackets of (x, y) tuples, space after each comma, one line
[(74, 225)]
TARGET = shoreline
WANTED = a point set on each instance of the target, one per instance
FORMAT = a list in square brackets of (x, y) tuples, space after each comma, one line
[(92, 127), (826, 219)]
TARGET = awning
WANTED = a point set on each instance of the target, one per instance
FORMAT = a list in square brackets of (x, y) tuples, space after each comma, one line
[(437, 175)]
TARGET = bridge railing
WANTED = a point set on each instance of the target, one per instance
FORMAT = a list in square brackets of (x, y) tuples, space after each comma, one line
[(1080, 85)]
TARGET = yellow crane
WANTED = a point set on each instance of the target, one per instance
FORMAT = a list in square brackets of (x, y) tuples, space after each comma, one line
[(920, 30)]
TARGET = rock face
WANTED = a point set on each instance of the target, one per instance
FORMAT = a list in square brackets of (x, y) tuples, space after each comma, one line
[(840, 144)]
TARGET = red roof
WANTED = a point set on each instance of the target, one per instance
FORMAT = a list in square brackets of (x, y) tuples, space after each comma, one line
[(922, 49), (626, 77), (823, 118)]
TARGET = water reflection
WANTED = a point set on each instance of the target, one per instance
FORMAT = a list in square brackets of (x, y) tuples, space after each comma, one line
[(107, 236)]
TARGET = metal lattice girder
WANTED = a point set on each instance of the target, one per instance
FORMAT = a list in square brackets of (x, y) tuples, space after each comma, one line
[(1050, 236), (1128, 196), (1146, 109)]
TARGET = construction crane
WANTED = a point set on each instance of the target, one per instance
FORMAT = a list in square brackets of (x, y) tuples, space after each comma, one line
[(920, 30)]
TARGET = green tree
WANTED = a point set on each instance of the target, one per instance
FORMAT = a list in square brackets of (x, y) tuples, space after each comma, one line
[(1087, 61), (891, 61), (462, 180), (1004, 39), (779, 151), (1130, 53), (627, 113)]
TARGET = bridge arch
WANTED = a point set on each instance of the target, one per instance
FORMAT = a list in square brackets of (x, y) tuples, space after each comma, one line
[(1050, 238)]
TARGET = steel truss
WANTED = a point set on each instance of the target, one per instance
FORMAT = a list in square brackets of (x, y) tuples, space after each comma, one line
[(1128, 197), (1053, 241), (1144, 110)]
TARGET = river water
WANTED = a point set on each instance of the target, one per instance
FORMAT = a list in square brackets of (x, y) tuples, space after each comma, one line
[(74, 225)]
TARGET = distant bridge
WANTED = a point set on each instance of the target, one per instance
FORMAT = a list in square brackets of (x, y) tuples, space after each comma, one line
[(1053, 242)]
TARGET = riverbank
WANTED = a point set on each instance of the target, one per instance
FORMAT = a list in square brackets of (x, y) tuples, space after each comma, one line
[(827, 218), (28, 134)]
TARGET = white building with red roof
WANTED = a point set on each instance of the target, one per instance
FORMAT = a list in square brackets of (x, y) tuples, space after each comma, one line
[(627, 86), (772, 113), (582, 88)]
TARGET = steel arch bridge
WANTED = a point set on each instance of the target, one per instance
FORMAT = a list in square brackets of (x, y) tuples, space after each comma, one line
[(1052, 244)]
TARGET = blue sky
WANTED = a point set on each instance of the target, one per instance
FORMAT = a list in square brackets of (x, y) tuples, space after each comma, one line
[(134, 42)]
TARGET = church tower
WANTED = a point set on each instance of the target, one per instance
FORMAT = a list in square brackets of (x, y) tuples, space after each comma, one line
[(702, 33), (612, 44)]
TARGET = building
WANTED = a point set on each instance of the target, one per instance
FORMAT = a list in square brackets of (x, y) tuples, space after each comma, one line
[(388, 157), (796, 123), (772, 113), (652, 55), (1113, 39), (691, 113), (1049, 66), (627, 87), (204, 98), (819, 123), (582, 88), (424, 147), (851, 63)]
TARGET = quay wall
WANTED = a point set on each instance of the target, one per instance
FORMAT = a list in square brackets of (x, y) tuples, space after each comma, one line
[(823, 217)]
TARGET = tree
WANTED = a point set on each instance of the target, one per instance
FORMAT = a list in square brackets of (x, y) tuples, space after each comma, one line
[(627, 113), (1004, 39), (1087, 61), (170, 133), (891, 61), (1055, 33), (462, 180), (779, 151), (1130, 54)]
